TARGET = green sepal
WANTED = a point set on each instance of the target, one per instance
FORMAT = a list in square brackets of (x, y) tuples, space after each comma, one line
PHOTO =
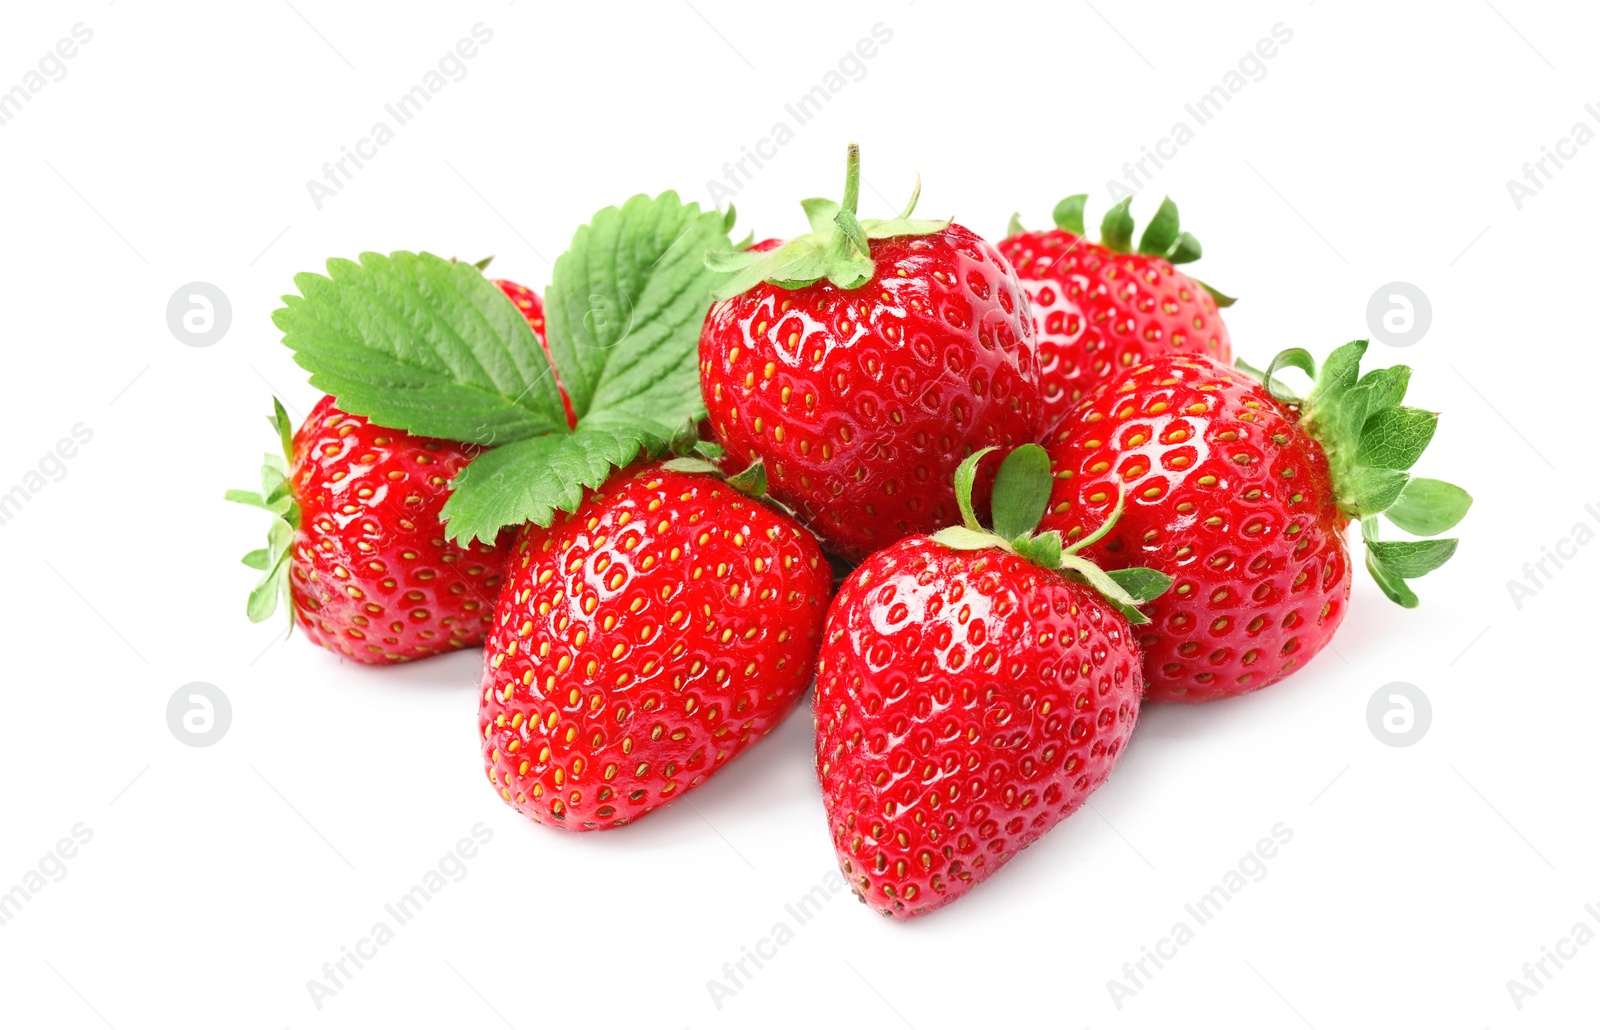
[(1428, 507), (1068, 214), (277, 500), (1021, 492), (752, 481), (960, 538), (1370, 440), (1186, 249), (691, 465), (1412, 559), (1162, 232), (1101, 581), (1116, 227), (1393, 587), (966, 475), (1141, 584), (1015, 227), (1394, 438), (1164, 236), (1043, 550), (837, 249), (1222, 299)]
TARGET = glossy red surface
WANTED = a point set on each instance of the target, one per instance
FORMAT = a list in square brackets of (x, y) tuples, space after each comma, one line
[(1228, 496), (1098, 313), (966, 703), (371, 575), (862, 403), (642, 643)]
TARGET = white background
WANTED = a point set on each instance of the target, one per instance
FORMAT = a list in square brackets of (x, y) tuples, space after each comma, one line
[(220, 879)]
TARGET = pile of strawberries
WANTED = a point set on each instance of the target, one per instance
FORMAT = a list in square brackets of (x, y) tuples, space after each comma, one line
[(988, 499)]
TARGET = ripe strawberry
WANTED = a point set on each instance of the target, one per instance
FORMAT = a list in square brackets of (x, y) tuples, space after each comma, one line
[(970, 695), (532, 308), (1099, 308), (644, 641), (862, 362), (358, 547), (1243, 496)]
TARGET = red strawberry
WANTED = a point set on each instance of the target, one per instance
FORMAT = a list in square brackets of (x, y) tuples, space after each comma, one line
[(532, 308), (358, 546), (1243, 498), (863, 362), (970, 695), (1099, 309), (644, 641)]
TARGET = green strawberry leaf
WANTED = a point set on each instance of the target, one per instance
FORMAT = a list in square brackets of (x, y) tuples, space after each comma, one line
[(1021, 491), (424, 344), (1410, 559), (1428, 507), (530, 480), (626, 304), (259, 559)]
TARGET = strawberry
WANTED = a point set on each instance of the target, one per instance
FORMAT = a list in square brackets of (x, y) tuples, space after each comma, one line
[(862, 362), (1101, 308), (1243, 494), (532, 308), (973, 689), (642, 642), (357, 548)]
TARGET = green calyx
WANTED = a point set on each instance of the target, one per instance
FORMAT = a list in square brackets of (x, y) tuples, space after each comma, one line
[(837, 248), (272, 561), (1371, 441), (1021, 493), (1163, 237)]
